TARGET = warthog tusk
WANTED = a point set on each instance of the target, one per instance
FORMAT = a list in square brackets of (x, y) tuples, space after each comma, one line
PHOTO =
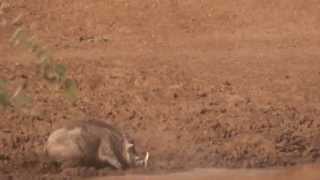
[(146, 158)]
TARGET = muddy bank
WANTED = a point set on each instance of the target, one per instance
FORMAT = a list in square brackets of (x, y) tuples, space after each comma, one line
[(308, 172)]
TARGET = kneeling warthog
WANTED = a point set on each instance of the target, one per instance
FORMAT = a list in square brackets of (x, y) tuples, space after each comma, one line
[(93, 143)]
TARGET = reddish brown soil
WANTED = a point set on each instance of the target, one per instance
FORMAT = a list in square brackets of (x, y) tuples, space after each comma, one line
[(210, 83)]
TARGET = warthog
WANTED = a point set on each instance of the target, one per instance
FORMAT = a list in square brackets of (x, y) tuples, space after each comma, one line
[(93, 143)]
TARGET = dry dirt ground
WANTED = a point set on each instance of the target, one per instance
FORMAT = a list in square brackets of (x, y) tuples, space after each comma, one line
[(197, 83)]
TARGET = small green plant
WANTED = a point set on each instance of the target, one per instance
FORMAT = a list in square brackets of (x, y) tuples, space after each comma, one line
[(15, 99), (4, 95), (47, 68)]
